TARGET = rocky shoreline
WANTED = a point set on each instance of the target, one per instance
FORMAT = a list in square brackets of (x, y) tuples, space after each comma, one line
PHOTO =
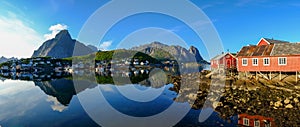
[(231, 96)]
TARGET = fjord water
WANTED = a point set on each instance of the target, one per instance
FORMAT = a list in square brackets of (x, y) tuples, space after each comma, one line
[(55, 103)]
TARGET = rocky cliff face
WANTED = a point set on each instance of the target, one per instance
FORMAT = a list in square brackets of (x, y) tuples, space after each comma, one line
[(162, 51), (62, 46), (193, 50)]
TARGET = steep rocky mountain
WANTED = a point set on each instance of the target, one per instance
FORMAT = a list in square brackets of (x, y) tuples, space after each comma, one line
[(4, 59), (193, 50), (162, 51), (94, 48), (62, 46)]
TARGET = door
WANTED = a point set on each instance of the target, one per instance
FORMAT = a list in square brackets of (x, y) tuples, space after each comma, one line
[(228, 63)]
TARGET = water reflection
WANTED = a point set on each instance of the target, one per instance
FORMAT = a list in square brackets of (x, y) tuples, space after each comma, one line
[(56, 106), (62, 89), (42, 100)]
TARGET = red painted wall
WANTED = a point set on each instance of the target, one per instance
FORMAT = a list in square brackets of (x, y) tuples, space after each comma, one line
[(214, 64), (292, 64), (253, 118), (223, 61), (262, 42)]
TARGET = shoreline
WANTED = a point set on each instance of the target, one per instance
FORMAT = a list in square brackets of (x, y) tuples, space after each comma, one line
[(241, 96)]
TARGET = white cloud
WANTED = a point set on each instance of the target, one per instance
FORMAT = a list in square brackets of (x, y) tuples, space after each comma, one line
[(17, 98), (54, 30), (104, 46), (17, 39), (56, 106)]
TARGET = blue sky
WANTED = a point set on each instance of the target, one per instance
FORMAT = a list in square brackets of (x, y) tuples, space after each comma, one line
[(25, 24)]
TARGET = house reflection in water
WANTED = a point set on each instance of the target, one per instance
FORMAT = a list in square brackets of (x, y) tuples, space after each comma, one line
[(255, 121)]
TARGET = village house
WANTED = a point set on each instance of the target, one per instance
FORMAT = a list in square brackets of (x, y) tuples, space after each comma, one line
[(255, 121), (223, 61), (5, 68), (269, 56)]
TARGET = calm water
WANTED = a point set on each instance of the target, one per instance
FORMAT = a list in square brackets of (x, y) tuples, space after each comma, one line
[(55, 103)]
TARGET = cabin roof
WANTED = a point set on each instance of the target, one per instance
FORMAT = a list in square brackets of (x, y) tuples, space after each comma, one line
[(286, 49), (221, 56), (274, 49), (272, 41), (253, 50)]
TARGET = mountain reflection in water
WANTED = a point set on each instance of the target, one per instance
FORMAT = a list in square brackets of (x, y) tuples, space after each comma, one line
[(29, 106)]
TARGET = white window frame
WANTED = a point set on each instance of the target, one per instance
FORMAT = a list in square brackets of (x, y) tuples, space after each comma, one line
[(256, 121), (244, 121), (253, 64), (268, 125), (268, 61), (279, 63), (246, 59)]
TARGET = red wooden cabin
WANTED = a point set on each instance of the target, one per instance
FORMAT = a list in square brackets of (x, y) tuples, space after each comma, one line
[(255, 121), (269, 56), (224, 61)]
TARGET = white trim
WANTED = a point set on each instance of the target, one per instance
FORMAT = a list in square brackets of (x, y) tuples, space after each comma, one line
[(269, 61), (282, 58), (244, 121), (257, 122), (271, 54), (253, 61), (237, 64), (262, 39), (243, 61)]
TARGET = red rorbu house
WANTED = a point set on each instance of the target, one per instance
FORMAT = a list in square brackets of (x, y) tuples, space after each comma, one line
[(269, 56), (223, 61), (255, 121)]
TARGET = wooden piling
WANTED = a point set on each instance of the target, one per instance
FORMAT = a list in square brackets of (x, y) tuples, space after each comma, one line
[(296, 76), (280, 75)]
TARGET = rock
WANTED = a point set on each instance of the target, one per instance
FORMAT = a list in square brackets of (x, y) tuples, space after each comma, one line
[(286, 101), (192, 96), (289, 106), (271, 102), (243, 100), (215, 104), (296, 100), (278, 104)]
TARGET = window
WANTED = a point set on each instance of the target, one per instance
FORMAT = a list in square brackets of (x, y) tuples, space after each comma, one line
[(282, 61), (244, 61), (255, 62), (246, 121), (266, 61), (256, 123)]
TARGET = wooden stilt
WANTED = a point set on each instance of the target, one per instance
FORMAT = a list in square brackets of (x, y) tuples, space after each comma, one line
[(264, 76), (270, 76), (255, 75), (280, 75), (296, 76)]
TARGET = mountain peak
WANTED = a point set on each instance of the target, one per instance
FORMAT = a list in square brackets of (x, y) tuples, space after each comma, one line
[(163, 51), (62, 46), (193, 50), (63, 34), (156, 42)]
